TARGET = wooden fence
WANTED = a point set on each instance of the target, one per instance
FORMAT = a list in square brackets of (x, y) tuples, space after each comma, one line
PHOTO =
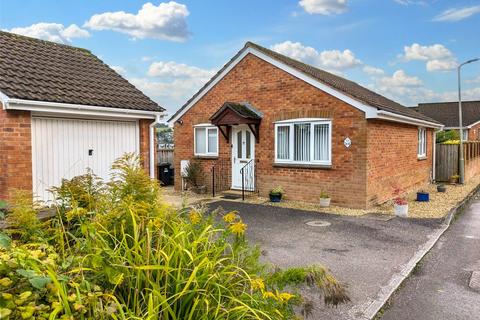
[(446, 160), (165, 156)]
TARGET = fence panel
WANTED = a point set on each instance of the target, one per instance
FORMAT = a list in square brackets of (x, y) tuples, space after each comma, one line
[(446, 161), (165, 156)]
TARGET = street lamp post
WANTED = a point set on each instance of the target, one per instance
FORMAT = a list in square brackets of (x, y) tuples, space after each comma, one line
[(460, 120)]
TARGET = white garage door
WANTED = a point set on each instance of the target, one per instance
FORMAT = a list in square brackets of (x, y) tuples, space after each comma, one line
[(64, 148)]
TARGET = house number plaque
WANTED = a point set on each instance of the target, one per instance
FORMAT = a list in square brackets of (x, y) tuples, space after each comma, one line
[(347, 142)]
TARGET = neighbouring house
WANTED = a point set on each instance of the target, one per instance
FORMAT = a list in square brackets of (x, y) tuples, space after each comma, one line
[(304, 129), (64, 110), (447, 114)]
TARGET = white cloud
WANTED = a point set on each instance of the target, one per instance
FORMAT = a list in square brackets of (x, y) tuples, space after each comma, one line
[(333, 60), (167, 21), (437, 56), (413, 2), (52, 32), (172, 83), (457, 14), (324, 7), (119, 69), (373, 71), (400, 79), (410, 90), (474, 80), (177, 70)]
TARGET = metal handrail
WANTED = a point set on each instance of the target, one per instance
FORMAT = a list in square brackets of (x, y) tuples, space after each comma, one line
[(242, 171)]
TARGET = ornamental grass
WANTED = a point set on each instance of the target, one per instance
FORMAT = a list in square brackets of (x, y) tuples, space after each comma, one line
[(115, 250)]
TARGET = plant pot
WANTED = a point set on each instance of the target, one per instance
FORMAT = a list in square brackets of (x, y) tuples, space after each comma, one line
[(199, 189), (452, 181), (401, 210), (441, 188), (325, 202), (275, 197), (423, 196)]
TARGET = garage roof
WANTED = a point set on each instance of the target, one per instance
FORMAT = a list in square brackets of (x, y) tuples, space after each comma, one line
[(38, 70)]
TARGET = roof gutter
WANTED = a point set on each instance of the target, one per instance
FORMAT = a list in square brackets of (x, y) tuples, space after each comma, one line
[(67, 108), (390, 116)]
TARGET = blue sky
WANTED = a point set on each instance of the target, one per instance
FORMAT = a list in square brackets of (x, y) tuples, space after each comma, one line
[(405, 49)]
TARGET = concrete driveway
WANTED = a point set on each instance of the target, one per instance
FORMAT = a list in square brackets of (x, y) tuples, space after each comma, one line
[(364, 253)]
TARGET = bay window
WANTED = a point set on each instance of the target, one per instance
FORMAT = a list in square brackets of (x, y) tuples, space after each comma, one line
[(303, 141), (205, 140), (422, 143)]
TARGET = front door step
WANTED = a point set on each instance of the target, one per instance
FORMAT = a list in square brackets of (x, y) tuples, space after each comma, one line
[(236, 194)]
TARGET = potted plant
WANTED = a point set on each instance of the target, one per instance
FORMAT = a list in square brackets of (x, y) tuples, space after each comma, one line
[(400, 204), (194, 176), (454, 179), (441, 188), (276, 194), (324, 199), (423, 196)]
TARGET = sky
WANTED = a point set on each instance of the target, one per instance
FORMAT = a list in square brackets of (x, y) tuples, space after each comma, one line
[(407, 50)]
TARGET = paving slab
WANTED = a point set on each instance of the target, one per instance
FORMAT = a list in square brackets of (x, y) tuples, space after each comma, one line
[(365, 254)]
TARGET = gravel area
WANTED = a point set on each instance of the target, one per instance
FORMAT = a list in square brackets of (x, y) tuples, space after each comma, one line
[(438, 206)]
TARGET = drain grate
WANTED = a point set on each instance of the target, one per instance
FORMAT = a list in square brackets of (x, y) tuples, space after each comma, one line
[(318, 223)]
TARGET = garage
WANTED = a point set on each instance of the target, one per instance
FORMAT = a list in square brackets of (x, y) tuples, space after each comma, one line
[(64, 148), (63, 110)]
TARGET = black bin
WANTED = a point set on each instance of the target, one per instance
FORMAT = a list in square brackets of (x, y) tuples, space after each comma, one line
[(165, 174)]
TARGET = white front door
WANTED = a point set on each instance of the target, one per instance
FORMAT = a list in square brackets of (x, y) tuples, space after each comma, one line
[(243, 150)]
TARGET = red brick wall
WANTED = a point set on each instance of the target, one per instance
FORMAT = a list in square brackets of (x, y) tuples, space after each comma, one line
[(144, 125), (474, 133), (15, 152), (393, 161), (279, 95)]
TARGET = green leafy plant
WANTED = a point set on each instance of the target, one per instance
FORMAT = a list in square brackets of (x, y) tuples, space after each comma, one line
[(130, 256), (324, 195), (449, 135), (21, 218), (277, 191), (194, 174)]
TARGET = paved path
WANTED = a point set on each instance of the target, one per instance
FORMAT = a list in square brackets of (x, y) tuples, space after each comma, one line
[(362, 252), (438, 289)]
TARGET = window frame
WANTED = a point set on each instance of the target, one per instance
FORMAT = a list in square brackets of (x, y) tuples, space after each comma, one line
[(422, 143), (291, 124), (207, 127)]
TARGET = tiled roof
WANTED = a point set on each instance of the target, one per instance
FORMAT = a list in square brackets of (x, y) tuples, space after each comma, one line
[(39, 70), (243, 109), (447, 112), (343, 85)]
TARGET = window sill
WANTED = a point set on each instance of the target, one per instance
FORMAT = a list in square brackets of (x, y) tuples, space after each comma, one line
[(205, 157), (421, 158), (302, 166)]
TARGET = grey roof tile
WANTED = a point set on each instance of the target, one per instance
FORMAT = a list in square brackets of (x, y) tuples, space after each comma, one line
[(39, 70)]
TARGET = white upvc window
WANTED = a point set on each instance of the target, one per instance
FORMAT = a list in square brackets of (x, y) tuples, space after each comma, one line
[(303, 141), (205, 140), (465, 134), (422, 143)]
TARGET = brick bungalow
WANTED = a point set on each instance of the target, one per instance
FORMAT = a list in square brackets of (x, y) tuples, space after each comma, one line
[(447, 114), (305, 129), (63, 110)]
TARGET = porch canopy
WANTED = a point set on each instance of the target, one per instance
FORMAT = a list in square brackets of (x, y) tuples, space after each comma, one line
[(233, 113)]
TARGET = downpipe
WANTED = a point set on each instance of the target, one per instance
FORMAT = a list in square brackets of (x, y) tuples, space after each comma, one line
[(152, 145)]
